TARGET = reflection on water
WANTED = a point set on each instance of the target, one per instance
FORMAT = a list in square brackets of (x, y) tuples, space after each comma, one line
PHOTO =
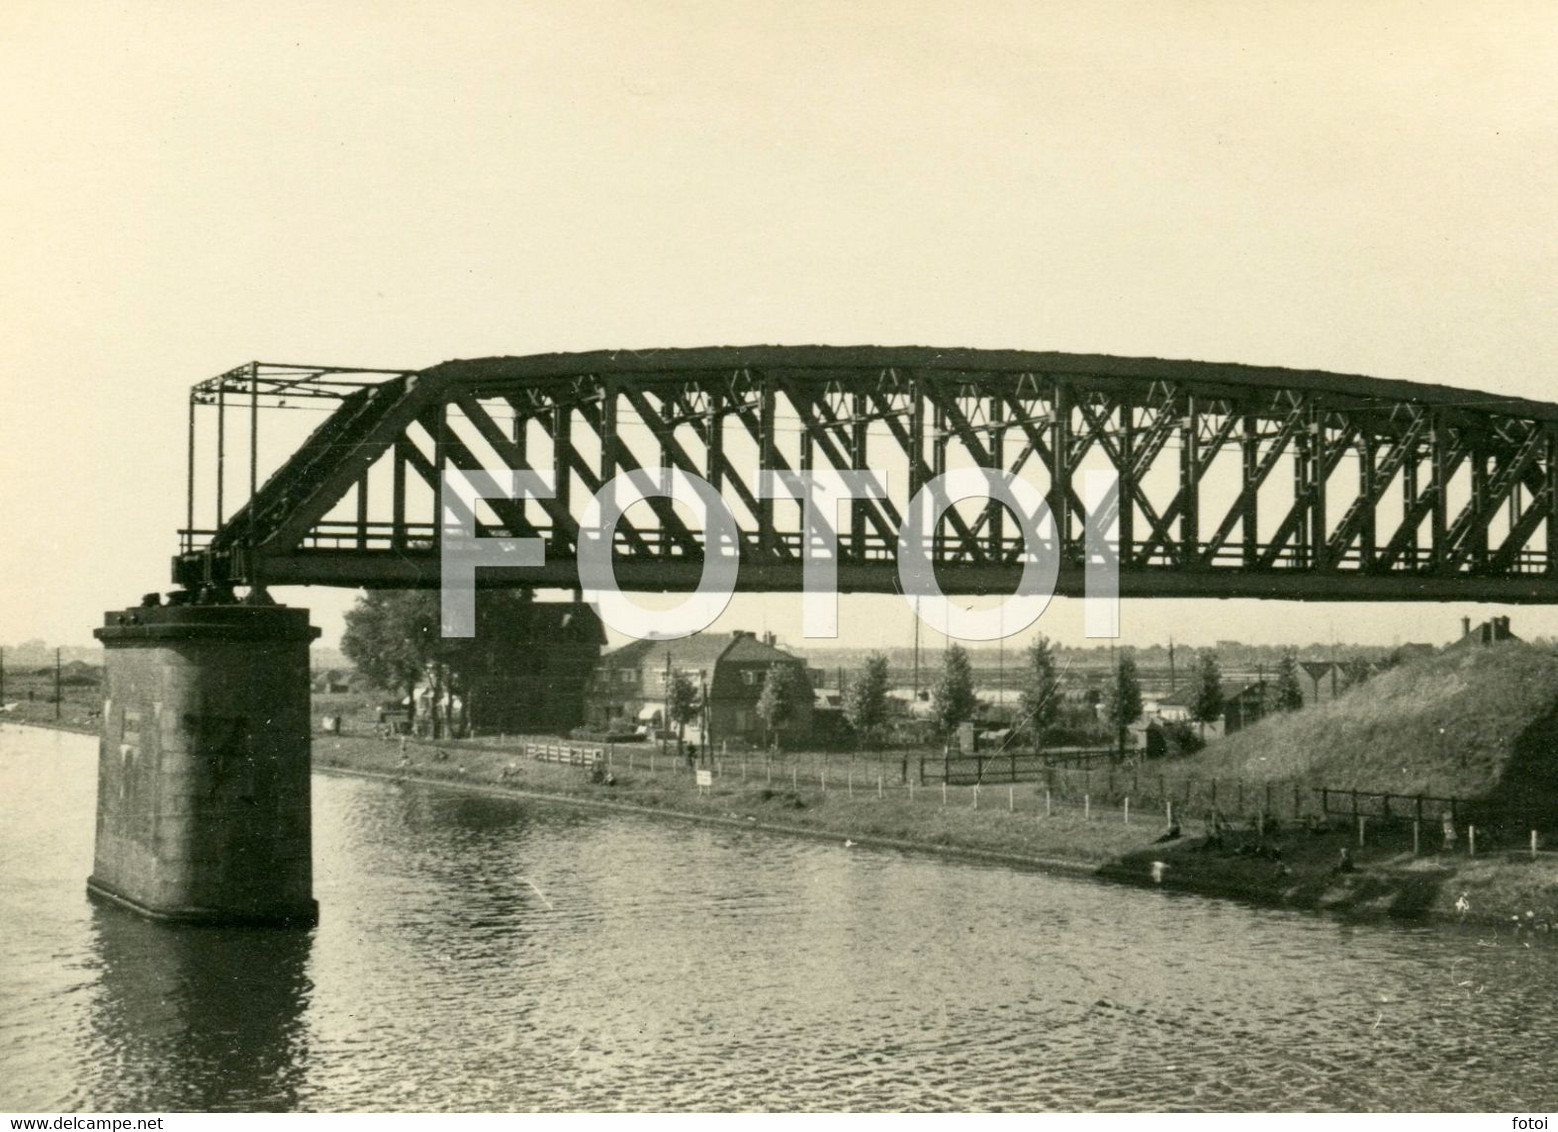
[(483, 953), (206, 1019)]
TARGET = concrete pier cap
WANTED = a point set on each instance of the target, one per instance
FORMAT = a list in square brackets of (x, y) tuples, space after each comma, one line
[(203, 809)]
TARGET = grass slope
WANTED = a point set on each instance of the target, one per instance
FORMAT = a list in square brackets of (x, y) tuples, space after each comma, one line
[(1474, 723)]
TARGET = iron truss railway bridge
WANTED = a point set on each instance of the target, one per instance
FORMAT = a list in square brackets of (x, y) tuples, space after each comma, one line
[(1234, 481)]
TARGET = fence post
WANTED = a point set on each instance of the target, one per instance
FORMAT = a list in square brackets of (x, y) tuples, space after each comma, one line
[(943, 791), (976, 795), (795, 776), (1087, 807), (879, 793), (1046, 802), (1417, 833), (851, 782), (1533, 844), (1361, 821), (1127, 809), (1011, 807), (1471, 841)]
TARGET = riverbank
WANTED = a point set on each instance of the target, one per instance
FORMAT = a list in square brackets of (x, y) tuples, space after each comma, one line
[(1017, 825)]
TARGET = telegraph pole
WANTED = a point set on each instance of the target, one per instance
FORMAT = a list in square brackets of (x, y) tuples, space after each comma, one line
[(708, 718), (665, 714), (56, 684)]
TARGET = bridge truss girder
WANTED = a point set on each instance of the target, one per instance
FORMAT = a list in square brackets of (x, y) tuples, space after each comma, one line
[(1234, 481)]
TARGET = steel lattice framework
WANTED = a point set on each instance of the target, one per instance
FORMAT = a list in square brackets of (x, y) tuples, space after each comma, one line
[(1234, 481)]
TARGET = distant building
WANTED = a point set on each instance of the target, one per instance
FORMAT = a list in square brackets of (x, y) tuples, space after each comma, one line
[(1494, 631), (335, 681), (628, 687), (537, 682), (1244, 704)]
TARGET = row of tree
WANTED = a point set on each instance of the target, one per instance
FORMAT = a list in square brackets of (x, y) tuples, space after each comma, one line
[(953, 698)]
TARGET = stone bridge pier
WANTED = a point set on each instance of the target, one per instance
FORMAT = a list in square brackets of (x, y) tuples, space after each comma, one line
[(203, 810)]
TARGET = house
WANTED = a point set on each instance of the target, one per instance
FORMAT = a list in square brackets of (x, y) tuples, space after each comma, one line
[(538, 672), (334, 681), (628, 687), (1494, 631), (1244, 704)]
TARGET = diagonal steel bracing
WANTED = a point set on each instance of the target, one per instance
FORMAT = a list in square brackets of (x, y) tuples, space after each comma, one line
[(1304, 469)]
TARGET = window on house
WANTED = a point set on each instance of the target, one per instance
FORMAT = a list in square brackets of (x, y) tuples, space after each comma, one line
[(749, 676), (628, 675)]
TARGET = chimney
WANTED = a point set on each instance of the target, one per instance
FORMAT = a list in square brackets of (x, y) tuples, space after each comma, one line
[(1465, 626), (769, 639)]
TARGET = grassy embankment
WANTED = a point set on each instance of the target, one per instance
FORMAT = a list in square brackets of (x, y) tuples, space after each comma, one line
[(1480, 725), (866, 802)]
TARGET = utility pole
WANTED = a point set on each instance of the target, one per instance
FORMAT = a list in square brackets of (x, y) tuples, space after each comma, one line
[(1172, 682), (56, 684), (1000, 659), (916, 694), (2, 675), (665, 713), (708, 718)]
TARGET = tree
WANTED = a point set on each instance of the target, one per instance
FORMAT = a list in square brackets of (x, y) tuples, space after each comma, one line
[(1207, 703), (865, 700), (392, 638), (395, 638), (1355, 671), (1122, 699), (1289, 691), (780, 698), (683, 703), (952, 699), (1040, 702)]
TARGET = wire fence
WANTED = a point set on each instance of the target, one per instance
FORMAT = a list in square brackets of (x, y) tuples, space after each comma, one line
[(1097, 789)]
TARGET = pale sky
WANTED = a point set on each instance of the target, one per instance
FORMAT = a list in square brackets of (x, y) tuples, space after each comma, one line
[(1361, 187)]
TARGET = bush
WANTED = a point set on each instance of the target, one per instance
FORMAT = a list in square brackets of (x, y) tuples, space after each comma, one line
[(1183, 739)]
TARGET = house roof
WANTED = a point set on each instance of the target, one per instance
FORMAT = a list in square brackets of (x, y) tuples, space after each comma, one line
[(701, 651), (1186, 696)]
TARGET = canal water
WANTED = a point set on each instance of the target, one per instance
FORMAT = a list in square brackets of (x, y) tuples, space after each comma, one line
[(484, 953)]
